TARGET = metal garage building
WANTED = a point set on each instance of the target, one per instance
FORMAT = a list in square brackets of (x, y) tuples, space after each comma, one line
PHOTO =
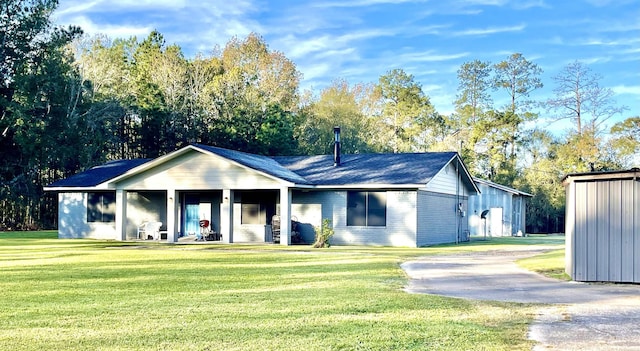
[(603, 226), (504, 210)]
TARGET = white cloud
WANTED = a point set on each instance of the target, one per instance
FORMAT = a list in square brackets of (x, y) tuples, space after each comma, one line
[(523, 5), (484, 2), (299, 48), (315, 71), (627, 89), (489, 30), (336, 53), (601, 3), (429, 56), (360, 3), (72, 8), (596, 59), (630, 41), (112, 31)]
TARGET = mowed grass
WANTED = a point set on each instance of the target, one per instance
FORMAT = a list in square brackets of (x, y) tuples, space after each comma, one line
[(550, 264), (106, 295)]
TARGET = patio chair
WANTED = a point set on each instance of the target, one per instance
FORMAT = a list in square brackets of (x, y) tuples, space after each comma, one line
[(148, 230), (275, 229)]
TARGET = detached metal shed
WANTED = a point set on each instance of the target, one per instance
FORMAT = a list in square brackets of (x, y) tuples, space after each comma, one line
[(603, 226)]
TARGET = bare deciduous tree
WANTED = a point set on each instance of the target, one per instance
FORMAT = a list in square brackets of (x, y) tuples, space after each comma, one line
[(580, 98)]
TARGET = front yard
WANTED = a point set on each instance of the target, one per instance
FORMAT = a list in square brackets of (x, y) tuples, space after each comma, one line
[(87, 294)]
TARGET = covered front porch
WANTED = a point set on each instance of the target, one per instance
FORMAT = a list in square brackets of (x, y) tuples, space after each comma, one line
[(221, 215)]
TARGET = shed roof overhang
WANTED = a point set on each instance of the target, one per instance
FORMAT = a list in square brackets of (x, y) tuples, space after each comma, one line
[(633, 173), (501, 187)]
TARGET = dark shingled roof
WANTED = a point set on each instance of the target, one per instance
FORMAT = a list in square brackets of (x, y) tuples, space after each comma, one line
[(99, 174), (390, 169), (395, 169)]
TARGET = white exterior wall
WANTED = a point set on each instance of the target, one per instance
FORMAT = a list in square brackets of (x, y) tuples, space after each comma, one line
[(313, 206), (307, 207), (145, 207), (72, 219), (399, 231), (246, 233), (198, 172)]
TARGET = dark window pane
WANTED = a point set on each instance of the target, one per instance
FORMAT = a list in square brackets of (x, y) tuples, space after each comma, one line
[(101, 207), (257, 206), (108, 207), (250, 213), (93, 207), (377, 209), (356, 208)]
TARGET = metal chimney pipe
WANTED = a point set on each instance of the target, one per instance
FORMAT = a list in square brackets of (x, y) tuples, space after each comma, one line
[(336, 146)]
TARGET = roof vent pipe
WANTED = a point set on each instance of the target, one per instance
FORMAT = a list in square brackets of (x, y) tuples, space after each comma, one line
[(336, 146)]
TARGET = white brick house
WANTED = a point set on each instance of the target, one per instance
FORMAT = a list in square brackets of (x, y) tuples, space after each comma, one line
[(413, 200)]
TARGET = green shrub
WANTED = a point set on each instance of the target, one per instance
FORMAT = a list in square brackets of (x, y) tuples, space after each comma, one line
[(323, 234)]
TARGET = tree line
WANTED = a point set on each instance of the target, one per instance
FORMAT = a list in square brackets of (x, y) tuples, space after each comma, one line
[(69, 102)]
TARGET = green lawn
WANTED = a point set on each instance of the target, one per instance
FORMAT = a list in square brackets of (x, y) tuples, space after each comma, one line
[(105, 295), (550, 264)]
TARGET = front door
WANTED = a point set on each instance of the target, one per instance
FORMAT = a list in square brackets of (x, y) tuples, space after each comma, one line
[(196, 207), (191, 214)]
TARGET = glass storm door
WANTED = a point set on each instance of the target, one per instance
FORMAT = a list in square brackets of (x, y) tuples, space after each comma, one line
[(192, 214)]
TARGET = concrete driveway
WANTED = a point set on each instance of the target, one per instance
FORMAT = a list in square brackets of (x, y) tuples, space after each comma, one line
[(577, 316)]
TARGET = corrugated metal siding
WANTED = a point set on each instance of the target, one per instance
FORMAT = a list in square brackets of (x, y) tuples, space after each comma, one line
[(603, 231), (491, 197), (636, 231), (196, 171)]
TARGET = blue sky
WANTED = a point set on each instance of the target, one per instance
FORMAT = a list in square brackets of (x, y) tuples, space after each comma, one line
[(360, 40)]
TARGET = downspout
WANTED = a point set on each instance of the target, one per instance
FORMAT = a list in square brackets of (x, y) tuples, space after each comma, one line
[(457, 209), (336, 146)]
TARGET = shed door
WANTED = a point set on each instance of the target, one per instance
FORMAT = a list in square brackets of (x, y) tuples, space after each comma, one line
[(495, 224)]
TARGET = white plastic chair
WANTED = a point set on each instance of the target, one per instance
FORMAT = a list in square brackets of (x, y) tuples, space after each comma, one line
[(147, 229)]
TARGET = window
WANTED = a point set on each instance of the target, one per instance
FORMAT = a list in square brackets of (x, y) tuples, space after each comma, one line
[(253, 214), (101, 207), (367, 208), (257, 207)]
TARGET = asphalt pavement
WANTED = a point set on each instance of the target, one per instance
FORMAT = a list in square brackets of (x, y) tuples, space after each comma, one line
[(576, 316)]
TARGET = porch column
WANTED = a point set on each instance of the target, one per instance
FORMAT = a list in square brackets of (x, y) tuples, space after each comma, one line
[(226, 216), (121, 215), (285, 216), (171, 216)]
